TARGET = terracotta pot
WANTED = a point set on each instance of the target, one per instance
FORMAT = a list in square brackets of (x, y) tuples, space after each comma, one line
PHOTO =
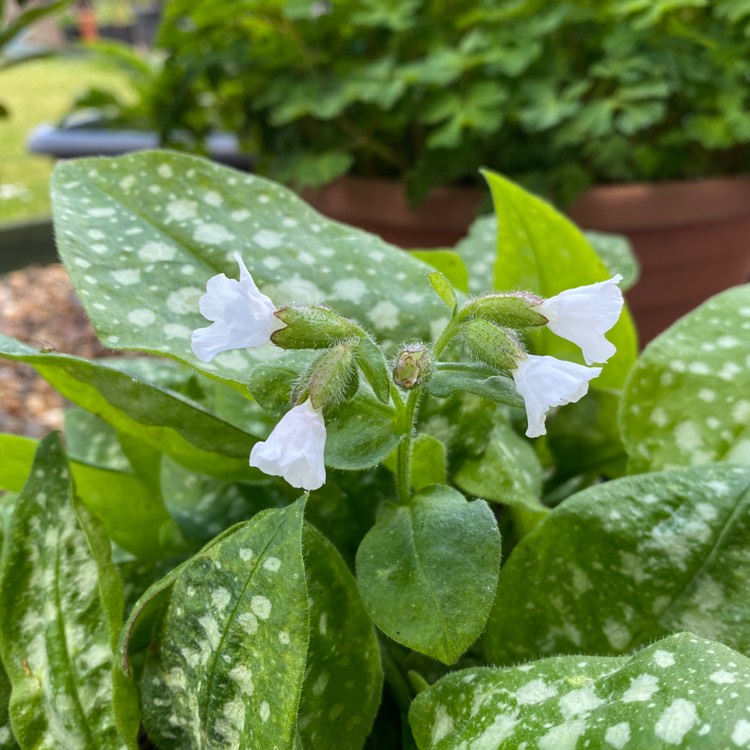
[(692, 239), (381, 207)]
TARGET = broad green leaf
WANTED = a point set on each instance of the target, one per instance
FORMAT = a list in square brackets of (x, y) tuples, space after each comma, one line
[(682, 691), (166, 420), (142, 234), (91, 440), (477, 379), (540, 250), (687, 401), (427, 571), (628, 561), (132, 512), (508, 471), (333, 711), (443, 289), (450, 266), (65, 596), (617, 253), (228, 665)]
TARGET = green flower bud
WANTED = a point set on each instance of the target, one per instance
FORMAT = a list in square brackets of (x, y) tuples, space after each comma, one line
[(312, 327), (413, 366), (498, 348), (511, 310), (331, 380)]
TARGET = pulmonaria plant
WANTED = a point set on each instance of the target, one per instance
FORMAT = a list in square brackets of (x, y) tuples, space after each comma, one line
[(244, 317)]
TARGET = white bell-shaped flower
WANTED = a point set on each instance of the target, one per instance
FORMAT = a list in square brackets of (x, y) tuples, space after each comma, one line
[(544, 382), (584, 314), (243, 316), (294, 450)]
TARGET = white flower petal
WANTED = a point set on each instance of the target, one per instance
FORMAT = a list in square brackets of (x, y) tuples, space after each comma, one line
[(294, 450), (243, 316), (544, 382), (583, 315)]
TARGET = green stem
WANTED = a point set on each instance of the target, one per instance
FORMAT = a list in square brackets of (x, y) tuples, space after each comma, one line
[(445, 337), (408, 416), (398, 683)]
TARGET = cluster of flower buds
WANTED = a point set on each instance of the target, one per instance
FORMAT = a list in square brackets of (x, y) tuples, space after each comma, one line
[(582, 315), (243, 317)]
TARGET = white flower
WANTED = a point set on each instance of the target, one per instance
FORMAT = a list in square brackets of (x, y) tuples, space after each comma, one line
[(294, 450), (545, 382), (583, 315), (243, 316)]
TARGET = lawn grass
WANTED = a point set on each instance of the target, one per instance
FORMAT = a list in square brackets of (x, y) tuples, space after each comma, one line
[(38, 92)]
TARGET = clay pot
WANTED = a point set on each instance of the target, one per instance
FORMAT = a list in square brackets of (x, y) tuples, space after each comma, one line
[(692, 239), (381, 207)]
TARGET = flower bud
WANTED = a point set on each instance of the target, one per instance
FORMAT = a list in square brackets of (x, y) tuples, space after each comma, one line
[(312, 327), (498, 348), (331, 380), (413, 366), (511, 310)]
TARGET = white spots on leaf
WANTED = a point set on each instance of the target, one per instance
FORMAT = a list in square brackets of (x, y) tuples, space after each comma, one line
[(265, 711), (164, 171), (563, 737), (127, 276), (617, 634), (98, 248), (246, 554), (707, 395), (384, 315), (211, 629), (663, 658), (141, 317), (321, 683), (184, 301), (271, 262), (307, 258), (729, 342), (220, 598), (240, 215), (101, 213), (96, 234), (741, 732), (580, 701), (535, 691), (295, 289), (267, 239), (284, 638), (181, 210), (127, 182), (741, 412), (618, 735), (212, 198), (722, 677), (82, 263), (729, 371), (153, 252), (212, 234), (706, 511), (659, 417), (352, 290), (642, 688), (177, 331), (243, 676), (272, 564), (676, 721), (323, 624), (496, 733), (249, 622), (261, 606)]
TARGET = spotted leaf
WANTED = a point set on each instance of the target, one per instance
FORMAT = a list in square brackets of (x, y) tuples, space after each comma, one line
[(65, 596), (343, 678), (683, 691), (227, 667), (164, 419), (687, 401), (628, 561), (141, 235), (427, 571)]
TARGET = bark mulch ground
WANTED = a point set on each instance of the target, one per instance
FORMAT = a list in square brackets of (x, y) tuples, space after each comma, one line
[(38, 306)]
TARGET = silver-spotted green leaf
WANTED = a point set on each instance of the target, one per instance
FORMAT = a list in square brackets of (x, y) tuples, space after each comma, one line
[(476, 379), (427, 571), (132, 512), (682, 691), (617, 253), (508, 471), (229, 660), (540, 250), (7, 740), (166, 420), (141, 235), (628, 561), (65, 596), (687, 401), (334, 711), (91, 440)]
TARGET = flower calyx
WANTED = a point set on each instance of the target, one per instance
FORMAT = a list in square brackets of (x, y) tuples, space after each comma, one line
[(313, 327), (413, 366), (507, 310), (495, 346), (331, 379)]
